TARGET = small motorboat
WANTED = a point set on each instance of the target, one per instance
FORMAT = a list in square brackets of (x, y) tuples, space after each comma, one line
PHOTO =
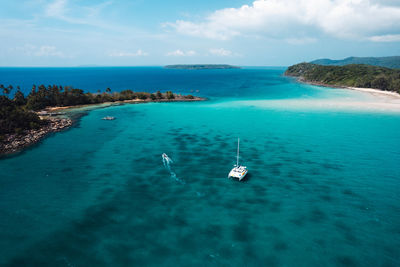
[(238, 171), (166, 158), (108, 118)]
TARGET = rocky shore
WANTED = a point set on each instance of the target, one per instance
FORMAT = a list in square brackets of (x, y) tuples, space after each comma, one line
[(12, 143), (15, 142)]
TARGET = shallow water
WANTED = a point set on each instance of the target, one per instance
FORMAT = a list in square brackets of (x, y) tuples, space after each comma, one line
[(323, 184)]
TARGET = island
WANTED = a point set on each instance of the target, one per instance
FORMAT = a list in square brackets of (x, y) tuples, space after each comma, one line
[(25, 120), (202, 67), (392, 62), (349, 76)]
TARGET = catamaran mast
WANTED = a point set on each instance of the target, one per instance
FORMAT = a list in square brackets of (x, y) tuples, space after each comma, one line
[(237, 158)]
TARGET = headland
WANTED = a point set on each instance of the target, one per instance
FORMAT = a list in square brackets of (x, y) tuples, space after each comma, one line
[(25, 121)]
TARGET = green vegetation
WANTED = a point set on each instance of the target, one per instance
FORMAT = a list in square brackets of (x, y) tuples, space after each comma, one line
[(170, 95), (16, 115), (201, 66), (364, 76), (387, 62), (14, 118)]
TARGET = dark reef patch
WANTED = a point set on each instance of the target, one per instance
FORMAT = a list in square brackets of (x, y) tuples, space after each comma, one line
[(346, 261), (317, 215), (280, 246), (241, 232)]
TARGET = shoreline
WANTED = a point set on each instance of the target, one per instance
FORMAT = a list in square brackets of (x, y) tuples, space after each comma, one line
[(14, 143), (372, 91), (122, 102)]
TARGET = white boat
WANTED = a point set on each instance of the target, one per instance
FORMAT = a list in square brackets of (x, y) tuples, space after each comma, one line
[(166, 158), (238, 171), (108, 118)]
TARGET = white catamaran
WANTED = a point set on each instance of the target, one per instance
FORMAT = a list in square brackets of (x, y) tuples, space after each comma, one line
[(238, 171)]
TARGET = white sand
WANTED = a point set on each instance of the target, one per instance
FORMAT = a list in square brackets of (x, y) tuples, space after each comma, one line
[(375, 91), (377, 101)]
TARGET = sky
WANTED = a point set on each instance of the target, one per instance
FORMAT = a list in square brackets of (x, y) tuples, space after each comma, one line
[(159, 32)]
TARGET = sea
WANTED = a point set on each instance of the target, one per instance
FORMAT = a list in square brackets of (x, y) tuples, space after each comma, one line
[(323, 187)]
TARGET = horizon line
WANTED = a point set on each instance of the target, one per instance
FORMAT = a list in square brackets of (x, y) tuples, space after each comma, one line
[(119, 66)]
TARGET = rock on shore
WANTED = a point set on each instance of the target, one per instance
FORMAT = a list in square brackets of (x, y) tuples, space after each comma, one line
[(16, 142)]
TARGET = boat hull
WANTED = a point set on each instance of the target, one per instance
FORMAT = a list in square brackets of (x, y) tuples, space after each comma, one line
[(238, 173)]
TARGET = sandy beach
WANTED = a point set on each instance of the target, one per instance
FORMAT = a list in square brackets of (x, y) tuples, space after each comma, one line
[(376, 101), (375, 91), (133, 101), (380, 100)]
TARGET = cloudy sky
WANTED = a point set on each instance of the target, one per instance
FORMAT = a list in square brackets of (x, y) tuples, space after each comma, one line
[(158, 32)]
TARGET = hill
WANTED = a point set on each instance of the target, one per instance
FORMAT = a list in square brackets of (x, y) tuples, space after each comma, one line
[(201, 67), (388, 62), (354, 75)]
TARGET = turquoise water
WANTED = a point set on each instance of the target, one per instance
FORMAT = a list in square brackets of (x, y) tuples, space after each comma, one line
[(323, 185)]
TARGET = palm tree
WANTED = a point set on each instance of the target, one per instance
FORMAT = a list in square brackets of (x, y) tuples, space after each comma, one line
[(19, 98), (33, 91), (108, 90), (7, 90)]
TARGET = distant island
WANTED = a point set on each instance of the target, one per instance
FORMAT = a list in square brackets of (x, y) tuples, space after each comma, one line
[(25, 120), (388, 62), (202, 67), (355, 75)]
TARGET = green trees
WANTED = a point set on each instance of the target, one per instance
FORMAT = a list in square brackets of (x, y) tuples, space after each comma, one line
[(19, 98), (142, 95), (348, 75), (127, 95), (189, 97), (6, 90), (16, 114), (15, 119), (41, 96), (169, 95), (159, 95)]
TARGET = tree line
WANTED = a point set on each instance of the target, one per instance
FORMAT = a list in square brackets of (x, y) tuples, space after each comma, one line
[(354, 75), (16, 113)]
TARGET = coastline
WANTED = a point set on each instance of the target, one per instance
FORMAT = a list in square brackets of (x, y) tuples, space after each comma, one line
[(14, 143), (372, 91), (375, 91), (115, 103)]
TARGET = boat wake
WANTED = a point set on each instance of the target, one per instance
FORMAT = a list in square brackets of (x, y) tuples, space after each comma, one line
[(167, 161)]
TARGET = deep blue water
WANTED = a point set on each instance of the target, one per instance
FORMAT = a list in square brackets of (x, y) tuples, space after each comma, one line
[(231, 82), (323, 186)]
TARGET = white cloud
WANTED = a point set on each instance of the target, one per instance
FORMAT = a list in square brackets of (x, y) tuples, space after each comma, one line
[(48, 51), (297, 18), (56, 8), (138, 53), (220, 52), (386, 38), (39, 51), (78, 13), (180, 53)]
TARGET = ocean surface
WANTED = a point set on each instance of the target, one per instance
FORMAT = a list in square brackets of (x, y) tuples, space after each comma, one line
[(323, 187)]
